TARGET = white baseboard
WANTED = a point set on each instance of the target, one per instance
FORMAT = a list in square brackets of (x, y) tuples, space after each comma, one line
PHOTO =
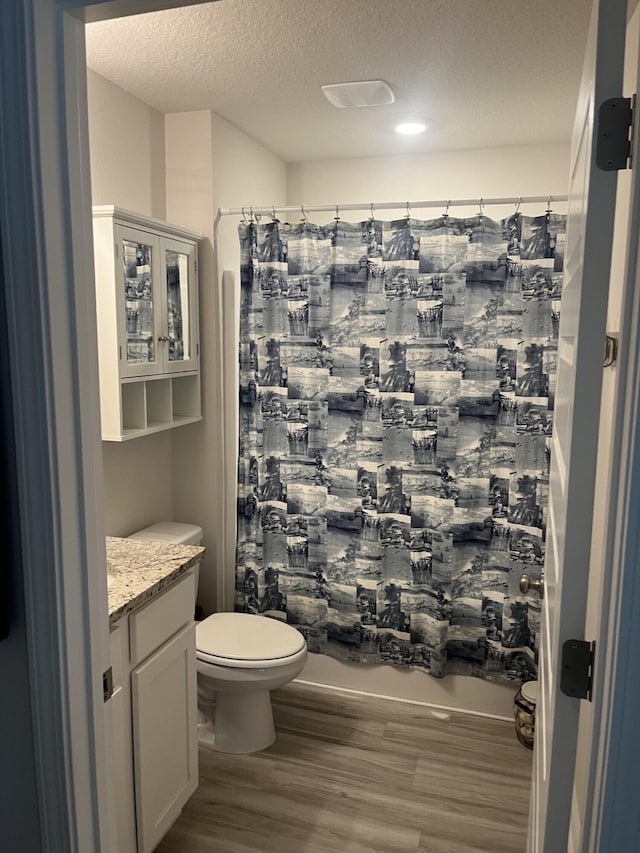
[(455, 693), (443, 709)]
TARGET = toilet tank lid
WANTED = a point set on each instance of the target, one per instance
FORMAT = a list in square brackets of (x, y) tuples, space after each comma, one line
[(172, 532)]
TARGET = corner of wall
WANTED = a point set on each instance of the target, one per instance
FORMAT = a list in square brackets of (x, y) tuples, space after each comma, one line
[(158, 166), (127, 169)]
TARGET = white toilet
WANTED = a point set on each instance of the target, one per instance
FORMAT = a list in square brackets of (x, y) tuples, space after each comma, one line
[(240, 658)]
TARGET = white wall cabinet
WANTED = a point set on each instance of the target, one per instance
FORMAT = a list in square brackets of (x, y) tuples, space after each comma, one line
[(147, 312), (154, 717)]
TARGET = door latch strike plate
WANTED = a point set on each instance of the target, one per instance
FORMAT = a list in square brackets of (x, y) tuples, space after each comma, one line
[(610, 350), (107, 684), (576, 675)]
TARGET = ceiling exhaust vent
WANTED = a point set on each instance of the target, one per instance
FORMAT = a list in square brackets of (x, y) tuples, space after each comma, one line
[(362, 93)]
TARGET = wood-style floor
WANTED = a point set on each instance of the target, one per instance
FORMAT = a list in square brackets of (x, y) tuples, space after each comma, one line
[(351, 774)]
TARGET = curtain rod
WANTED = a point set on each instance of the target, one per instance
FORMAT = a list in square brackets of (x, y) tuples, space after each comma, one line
[(390, 205)]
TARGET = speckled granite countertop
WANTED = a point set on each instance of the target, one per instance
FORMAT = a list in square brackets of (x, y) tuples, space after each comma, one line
[(144, 568)]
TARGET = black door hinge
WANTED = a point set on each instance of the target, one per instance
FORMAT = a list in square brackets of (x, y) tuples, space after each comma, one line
[(576, 675), (615, 132)]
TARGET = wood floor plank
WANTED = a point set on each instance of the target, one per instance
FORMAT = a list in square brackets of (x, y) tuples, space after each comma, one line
[(354, 774)]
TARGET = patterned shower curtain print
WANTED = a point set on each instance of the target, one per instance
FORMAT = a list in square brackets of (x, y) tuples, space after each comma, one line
[(396, 406)]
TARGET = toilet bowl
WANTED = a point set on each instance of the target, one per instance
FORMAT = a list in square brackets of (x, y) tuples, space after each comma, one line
[(240, 658)]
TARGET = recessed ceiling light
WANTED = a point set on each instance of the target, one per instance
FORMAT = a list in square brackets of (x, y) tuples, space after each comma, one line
[(360, 93), (411, 127)]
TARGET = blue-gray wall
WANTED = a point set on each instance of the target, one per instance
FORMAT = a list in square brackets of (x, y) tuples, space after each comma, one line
[(19, 816)]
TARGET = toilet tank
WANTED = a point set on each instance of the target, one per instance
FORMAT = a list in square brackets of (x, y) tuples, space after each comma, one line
[(173, 533)]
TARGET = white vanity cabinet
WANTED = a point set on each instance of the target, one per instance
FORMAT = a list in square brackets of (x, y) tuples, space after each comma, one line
[(147, 313), (154, 716)]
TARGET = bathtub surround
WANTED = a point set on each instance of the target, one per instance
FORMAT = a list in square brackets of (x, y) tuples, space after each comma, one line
[(397, 384)]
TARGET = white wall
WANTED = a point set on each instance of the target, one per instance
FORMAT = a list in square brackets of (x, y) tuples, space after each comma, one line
[(479, 173), (127, 149), (126, 139), (196, 448), (211, 164), (138, 477), (181, 168)]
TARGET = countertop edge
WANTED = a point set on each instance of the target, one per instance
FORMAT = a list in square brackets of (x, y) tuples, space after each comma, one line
[(144, 569)]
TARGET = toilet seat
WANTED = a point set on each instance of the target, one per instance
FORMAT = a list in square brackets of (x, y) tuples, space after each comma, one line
[(244, 640)]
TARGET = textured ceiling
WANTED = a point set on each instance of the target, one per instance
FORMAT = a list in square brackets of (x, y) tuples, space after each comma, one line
[(485, 72)]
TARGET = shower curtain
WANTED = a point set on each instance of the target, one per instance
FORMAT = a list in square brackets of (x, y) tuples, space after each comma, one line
[(396, 405)]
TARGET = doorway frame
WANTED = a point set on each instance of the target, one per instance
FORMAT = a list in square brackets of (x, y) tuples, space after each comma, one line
[(45, 207)]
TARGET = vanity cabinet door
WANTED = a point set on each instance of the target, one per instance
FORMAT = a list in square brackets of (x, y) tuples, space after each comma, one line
[(121, 773), (165, 738), (120, 758)]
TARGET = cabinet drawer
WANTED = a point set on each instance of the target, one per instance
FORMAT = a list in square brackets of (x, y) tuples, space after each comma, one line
[(156, 622)]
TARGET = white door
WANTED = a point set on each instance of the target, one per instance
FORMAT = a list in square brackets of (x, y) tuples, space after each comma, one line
[(165, 737), (575, 439)]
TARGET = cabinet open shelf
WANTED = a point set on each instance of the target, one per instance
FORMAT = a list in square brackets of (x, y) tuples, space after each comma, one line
[(154, 405)]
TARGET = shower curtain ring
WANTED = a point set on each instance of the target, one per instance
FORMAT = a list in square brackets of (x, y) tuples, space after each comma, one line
[(518, 203), (372, 211), (408, 211), (273, 214), (304, 213), (445, 215), (548, 205), (251, 217), (481, 211), (337, 216), (244, 216)]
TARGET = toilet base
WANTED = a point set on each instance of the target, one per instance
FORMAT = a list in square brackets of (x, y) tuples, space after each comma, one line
[(236, 700), (243, 723), (206, 735)]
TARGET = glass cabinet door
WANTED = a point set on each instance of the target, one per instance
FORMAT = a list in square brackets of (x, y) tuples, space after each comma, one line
[(178, 305), (137, 261), (179, 337), (157, 304)]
